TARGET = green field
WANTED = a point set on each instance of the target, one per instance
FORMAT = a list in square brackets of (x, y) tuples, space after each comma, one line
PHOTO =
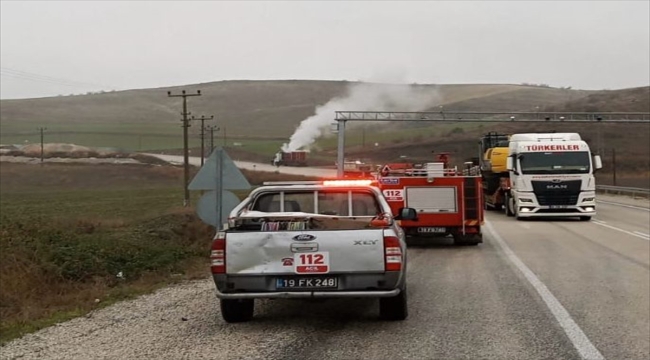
[(66, 233), (257, 117), (67, 230)]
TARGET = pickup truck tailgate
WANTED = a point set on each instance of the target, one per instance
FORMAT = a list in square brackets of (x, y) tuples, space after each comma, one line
[(305, 252)]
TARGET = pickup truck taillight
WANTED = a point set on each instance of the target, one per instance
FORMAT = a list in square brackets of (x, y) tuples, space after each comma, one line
[(392, 253), (218, 254)]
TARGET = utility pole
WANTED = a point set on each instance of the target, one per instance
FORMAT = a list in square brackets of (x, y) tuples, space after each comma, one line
[(225, 141), (42, 152), (186, 199), (212, 129), (614, 165), (203, 119)]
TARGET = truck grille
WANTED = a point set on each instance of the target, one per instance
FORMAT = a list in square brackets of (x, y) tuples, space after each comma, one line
[(557, 193)]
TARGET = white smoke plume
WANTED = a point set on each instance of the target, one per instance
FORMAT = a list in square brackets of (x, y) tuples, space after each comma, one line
[(362, 97)]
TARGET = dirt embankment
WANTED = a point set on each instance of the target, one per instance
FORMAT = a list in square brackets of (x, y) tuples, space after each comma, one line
[(71, 153)]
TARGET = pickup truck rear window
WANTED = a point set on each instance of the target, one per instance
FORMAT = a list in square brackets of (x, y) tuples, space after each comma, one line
[(330, 202)]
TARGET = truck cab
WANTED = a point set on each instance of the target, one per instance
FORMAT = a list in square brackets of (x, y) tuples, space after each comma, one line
[(329, 239), (551, 175)]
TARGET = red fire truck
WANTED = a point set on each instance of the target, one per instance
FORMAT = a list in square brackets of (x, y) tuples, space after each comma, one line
[(447, 202), (290, 158)]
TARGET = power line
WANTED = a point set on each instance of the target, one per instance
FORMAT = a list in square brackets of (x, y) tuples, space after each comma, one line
[(13, 76), (19, 74)]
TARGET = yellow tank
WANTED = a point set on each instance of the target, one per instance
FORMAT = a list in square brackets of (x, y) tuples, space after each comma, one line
[(494, 150), (497, 157)]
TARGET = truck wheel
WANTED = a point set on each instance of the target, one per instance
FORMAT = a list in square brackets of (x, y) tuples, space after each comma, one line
[(237, 310), (394, 308), (585, 218), (473, 240), (508, 206), (468, 240)]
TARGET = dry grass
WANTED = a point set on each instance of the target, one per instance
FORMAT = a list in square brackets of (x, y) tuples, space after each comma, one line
[(55, 269), (67, 230)]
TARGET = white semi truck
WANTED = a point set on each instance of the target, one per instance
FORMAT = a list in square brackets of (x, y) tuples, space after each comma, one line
[(551, 175)]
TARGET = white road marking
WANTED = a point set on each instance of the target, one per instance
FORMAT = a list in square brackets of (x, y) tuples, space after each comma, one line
[(636, 233), (623, 205), (583, 345)]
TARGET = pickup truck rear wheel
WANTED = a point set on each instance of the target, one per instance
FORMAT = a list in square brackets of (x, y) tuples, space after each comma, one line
[(394, 308), (237, 310)]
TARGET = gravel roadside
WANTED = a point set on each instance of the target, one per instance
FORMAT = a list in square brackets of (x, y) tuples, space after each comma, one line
[(178, 322)]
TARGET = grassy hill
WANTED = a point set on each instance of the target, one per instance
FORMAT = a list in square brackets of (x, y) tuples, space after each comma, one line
[(245, 109), (260, 115)]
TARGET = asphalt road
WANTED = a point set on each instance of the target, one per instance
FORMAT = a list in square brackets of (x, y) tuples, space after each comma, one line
[(536, 289)]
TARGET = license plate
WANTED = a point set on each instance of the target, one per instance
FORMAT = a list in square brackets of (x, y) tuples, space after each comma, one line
[(559, 206), (307, 282), (429, 230)]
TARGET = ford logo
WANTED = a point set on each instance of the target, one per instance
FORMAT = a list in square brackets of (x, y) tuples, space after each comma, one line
[(304, 237)]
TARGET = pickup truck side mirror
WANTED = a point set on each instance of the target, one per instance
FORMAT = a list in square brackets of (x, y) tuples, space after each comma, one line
[(598, 163), (407, 214)]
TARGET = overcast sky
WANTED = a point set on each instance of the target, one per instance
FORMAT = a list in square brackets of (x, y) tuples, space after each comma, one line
[(58, 47)]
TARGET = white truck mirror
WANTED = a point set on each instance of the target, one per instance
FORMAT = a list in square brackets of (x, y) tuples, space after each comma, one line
[(598, 163), (509, 163)]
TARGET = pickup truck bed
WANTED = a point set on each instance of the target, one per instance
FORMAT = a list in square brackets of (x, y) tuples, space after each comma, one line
[(337, 248)]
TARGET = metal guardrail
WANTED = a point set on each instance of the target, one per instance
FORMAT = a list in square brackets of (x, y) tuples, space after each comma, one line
[(623, 190)]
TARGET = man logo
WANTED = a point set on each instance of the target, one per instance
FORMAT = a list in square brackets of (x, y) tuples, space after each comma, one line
[(556, 181), (557, 187), (304, 237)]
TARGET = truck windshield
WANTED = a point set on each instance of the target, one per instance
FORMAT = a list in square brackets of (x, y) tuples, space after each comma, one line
[(573, 162)]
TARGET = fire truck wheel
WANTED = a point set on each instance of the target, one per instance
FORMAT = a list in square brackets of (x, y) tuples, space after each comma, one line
[(394, 308), (410, 241), (467, 240), (237, 310)]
